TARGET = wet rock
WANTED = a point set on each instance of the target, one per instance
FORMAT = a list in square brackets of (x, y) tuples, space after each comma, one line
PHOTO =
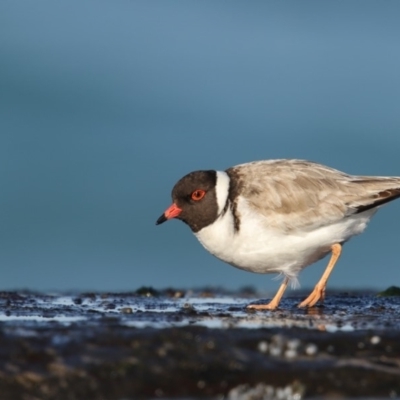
[(209, 347), (267, 392), (147, 291), (126, 310), (390, 291)]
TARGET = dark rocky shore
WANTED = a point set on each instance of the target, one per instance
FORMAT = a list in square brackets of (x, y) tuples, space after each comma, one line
[(202, 344)]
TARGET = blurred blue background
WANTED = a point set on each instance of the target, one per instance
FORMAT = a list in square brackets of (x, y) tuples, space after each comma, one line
[(104, 105)]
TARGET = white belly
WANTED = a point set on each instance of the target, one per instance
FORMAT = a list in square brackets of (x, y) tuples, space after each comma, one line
[(260, 249)]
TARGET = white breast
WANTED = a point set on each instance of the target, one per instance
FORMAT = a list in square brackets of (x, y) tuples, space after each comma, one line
[(258, 248)]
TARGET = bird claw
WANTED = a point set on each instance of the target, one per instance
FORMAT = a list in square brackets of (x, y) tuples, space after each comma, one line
[(318, 294), (262, 307)]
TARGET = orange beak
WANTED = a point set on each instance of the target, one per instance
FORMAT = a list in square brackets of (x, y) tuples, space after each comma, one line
[(171, 212)]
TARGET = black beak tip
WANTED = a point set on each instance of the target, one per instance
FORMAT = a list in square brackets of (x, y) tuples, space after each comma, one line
[(161, 220)]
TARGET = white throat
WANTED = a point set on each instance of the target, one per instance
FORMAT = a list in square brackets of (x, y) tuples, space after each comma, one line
[(217, 237), (222, 190)]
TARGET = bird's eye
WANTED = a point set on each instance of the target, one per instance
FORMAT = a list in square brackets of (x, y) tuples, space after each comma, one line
[(198, 194)]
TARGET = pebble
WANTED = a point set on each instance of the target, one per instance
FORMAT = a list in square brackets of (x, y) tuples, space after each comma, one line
[(311, 349), (263, 347), (375, 339)]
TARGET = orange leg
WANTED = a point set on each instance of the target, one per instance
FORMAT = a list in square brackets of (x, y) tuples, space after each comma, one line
[(319, 291), (273, 304)]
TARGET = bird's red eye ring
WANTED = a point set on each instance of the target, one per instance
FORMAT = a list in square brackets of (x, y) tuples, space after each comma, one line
[(198, 194)]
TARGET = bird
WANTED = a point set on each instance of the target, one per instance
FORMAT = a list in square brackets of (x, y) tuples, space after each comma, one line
[(278, 216)]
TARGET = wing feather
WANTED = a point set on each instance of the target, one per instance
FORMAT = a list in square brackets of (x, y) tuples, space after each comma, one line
[(297, 194)]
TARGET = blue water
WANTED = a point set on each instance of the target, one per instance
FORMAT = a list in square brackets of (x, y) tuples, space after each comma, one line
[(104, 105)]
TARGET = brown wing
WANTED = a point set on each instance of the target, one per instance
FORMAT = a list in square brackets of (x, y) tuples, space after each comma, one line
[(296, 194)]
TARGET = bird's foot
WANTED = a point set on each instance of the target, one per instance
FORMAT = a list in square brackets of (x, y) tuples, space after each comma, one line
[(318, 294), (270, 306)]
